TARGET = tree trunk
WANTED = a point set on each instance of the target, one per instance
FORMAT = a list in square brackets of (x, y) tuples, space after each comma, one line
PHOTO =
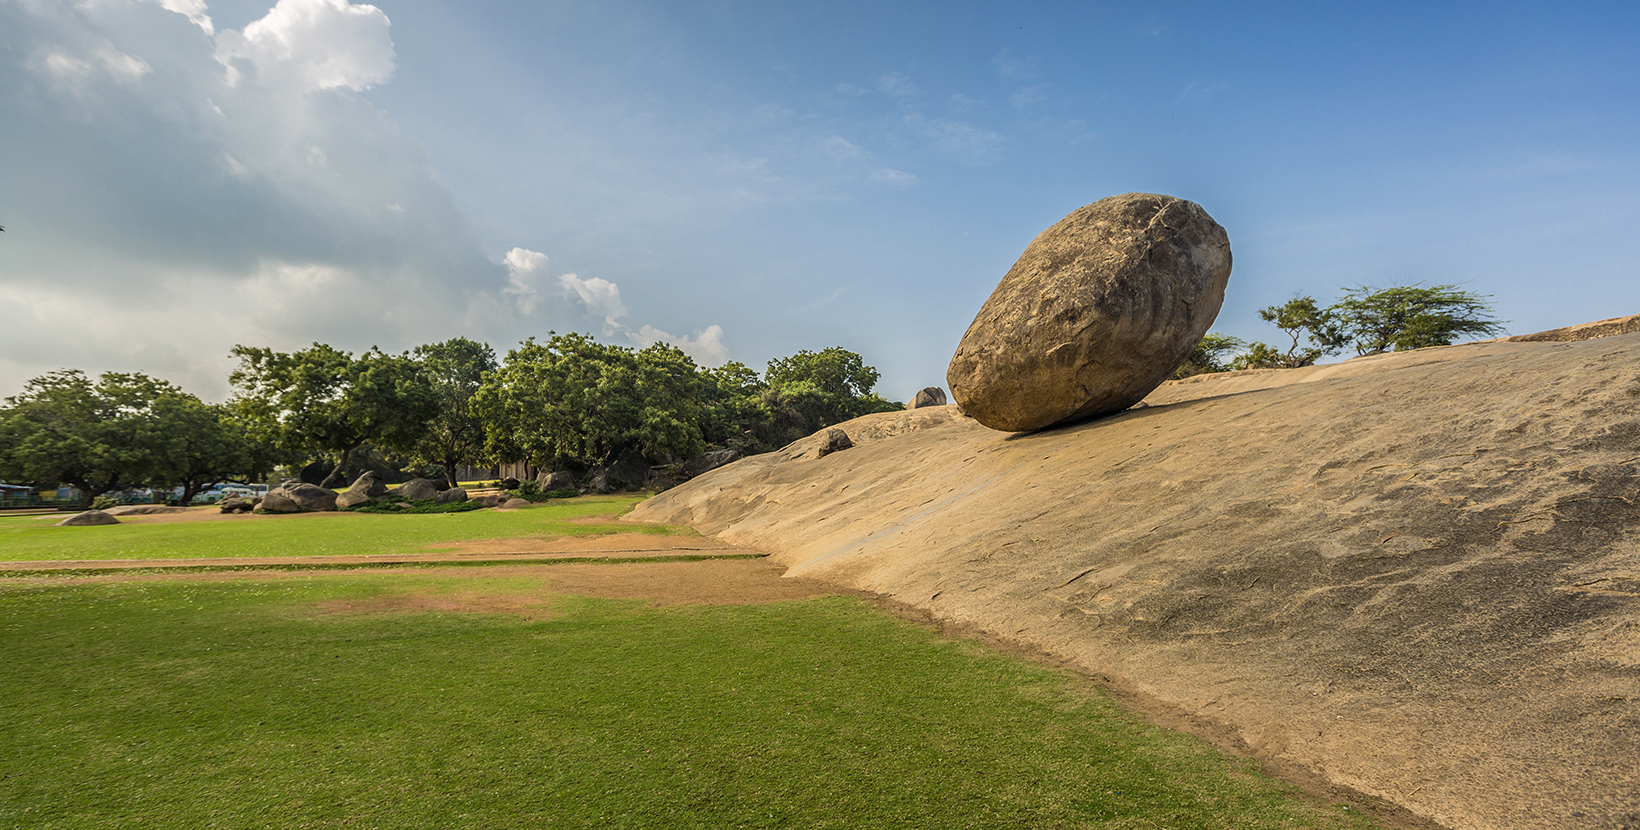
[(337, 475), (450, 472)]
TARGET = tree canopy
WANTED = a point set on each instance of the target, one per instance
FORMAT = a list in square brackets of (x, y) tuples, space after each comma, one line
[(323, 401), (1412, 316), (456, 368)]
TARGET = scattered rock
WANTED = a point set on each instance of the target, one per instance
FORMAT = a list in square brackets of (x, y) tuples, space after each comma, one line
[(277, 502), (88, 519), (514, 504), (454, 494), (509, 483), (309, 497), (352, 498), (418, 489), (1097, 312), (708, 461), (836, 440), (368, 484), (560, 480), (143, 509), (928, 396), (487, 500), (239, 504)]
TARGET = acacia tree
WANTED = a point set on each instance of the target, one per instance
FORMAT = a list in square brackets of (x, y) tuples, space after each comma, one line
[(1412, 316), (321, 401), (97, 436), (1207, 356), (456, 368)]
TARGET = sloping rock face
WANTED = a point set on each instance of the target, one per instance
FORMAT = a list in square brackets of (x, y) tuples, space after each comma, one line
[(1417, 574), (1096, 313)]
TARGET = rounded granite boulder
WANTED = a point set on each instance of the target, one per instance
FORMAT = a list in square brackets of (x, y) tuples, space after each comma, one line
[(1098, 311)]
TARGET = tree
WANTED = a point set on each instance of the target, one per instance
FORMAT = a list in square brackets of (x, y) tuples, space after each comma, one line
[(456, 368), (1412, 316), (1205, 357), (572, 399), (96, 436), (825, 387), (1300, 318), (322, 401), (203, 443)]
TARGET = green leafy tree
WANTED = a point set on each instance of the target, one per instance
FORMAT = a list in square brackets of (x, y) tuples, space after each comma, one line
[(324, 402), (1314, 331), (572, 399), (96, 436), (1412, 316), (456, 368), (1207, 356), (822, 388), (200, 444)]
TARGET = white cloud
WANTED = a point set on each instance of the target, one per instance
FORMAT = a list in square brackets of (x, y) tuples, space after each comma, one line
[(194, 10), (704, 347), (896, 85), (320, 44), (600, 296), (1016, 68), (525, 269), (1202, 90)]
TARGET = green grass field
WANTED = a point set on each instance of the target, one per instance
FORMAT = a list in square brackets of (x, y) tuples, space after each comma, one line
[(269, 703), (31, 538)]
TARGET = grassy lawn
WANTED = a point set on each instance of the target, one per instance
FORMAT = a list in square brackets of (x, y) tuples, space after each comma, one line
[(284, 702), (26, 538)]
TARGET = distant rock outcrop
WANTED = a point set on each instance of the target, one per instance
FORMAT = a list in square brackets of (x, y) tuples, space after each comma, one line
[(928, 396), (1097, 312)]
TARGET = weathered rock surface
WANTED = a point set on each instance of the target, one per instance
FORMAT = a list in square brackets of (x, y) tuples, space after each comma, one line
[(89, 518), (309, 497), (1413, 574), (277, 502), (560, 480), (1098, 311), (238, 504), (928, 396), (368, 484), (417, 489), (454, 494), (352, 498)]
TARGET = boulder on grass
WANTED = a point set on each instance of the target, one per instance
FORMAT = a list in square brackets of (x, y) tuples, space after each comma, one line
[(452, 495), (277, 502), (238, 504), (487, 501), (514, 504), (369, 485), (1097, 312), (309, 497), (417, 489), (352, 498), (88, 518), (560, 480)]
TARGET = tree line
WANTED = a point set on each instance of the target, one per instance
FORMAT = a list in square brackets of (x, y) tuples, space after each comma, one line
[(568, 402)]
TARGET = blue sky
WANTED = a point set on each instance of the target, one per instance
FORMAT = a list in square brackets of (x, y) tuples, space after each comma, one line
[(750, 179)]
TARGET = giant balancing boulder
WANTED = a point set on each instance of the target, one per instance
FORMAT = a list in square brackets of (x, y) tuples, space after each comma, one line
[(1098, 311)]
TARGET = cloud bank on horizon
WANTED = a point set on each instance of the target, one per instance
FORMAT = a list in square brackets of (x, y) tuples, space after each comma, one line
[(175, 189)]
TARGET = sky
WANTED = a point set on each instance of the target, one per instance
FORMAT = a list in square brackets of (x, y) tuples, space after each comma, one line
[(750, 179)]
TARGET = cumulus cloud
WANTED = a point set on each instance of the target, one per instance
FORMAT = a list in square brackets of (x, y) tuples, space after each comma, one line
[(705, 347), (173, 190)]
